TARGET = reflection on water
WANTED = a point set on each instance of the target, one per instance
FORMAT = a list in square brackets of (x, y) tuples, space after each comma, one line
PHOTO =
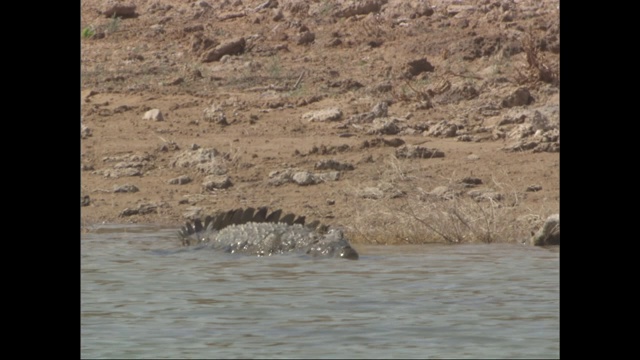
[(142, 296)]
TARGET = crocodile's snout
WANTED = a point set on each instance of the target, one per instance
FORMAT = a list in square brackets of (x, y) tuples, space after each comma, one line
[(348, 252)]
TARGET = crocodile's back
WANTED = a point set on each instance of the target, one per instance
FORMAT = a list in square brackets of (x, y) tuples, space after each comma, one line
[(248, 231)]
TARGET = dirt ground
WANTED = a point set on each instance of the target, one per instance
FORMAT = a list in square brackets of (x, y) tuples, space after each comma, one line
[(439, 116)]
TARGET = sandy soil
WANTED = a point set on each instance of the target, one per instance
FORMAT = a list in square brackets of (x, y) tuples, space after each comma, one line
[(236, 122)]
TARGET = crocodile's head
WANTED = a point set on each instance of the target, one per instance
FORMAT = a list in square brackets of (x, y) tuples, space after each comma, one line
[(333, 244)]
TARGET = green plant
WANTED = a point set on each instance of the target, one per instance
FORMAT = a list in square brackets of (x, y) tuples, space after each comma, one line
[(88, 32)]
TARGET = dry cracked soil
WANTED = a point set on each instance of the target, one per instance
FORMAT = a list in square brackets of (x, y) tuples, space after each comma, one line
[(399, 121)]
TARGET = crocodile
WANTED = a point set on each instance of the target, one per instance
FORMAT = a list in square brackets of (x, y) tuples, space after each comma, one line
[(256, 232)]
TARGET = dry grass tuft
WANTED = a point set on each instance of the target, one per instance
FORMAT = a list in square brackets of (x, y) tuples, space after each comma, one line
[(421, 217), (538, 67)]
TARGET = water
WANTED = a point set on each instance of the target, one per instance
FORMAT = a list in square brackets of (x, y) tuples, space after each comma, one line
[(142, 296)]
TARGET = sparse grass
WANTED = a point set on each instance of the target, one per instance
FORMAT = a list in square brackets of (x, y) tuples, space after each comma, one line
[(275, 67), (114, 25), (88, 32), (538, 67), (419, 217)]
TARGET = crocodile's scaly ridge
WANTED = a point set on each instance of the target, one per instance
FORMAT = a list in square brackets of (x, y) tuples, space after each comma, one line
[(257, 232)]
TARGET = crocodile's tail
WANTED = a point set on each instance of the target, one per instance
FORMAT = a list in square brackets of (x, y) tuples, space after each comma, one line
[(242, 216)]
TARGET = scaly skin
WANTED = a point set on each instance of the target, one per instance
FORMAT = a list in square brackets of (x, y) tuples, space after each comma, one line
[(270, 238)]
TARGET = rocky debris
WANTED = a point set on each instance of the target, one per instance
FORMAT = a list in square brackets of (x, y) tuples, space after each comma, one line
[(280, 177), (201, 43), (520, 97), (324, 150), (383, 87), (213, 182), (85, 200), (192, 213), (118, 173), (332, 165), (377, 142), (418, 66), (359, 8), (386, 126), (444, 129), (471, 181), (85, 131), (476, 47), (414, 151), (379, 110), (203, 159), (113, 8), (533, 188), (153, 114), (457, 94), (441, 193), (142, 209), (233, 47), (306, 37), (331, 114), (214, 114), (127, 165), (485, 194), (549, 233), (380, 191), (86, 167), (168, 146), (127, 188), (536, 133), (180, 180)]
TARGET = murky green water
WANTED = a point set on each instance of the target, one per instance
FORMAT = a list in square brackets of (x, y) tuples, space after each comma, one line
[(144, 297)]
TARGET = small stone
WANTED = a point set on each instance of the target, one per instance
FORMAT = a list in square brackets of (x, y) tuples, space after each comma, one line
[(127, 188), (180, 180), (154, 114)]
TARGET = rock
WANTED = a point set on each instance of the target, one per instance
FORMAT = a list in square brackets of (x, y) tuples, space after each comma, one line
[(277, 15), (192, 212), (114, 8), (127, 188), (85, 132), (122, 172), (443, 129), (153, 114), (142, 209), (533, 188), (305, 178), (214, 114), (380, 109), (549, 234), (233, 47), (418, 66), (213, 182), (412, 151), (473, 181), (203, 159), (332, 165), (360, 8), (385, 127), (85, 200), (520, 97), (485, 194), (371, 193), (332, 114), (180, 180), (306, 37)]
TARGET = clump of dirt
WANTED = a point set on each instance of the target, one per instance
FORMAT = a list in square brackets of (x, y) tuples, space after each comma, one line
[(204, 106)]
